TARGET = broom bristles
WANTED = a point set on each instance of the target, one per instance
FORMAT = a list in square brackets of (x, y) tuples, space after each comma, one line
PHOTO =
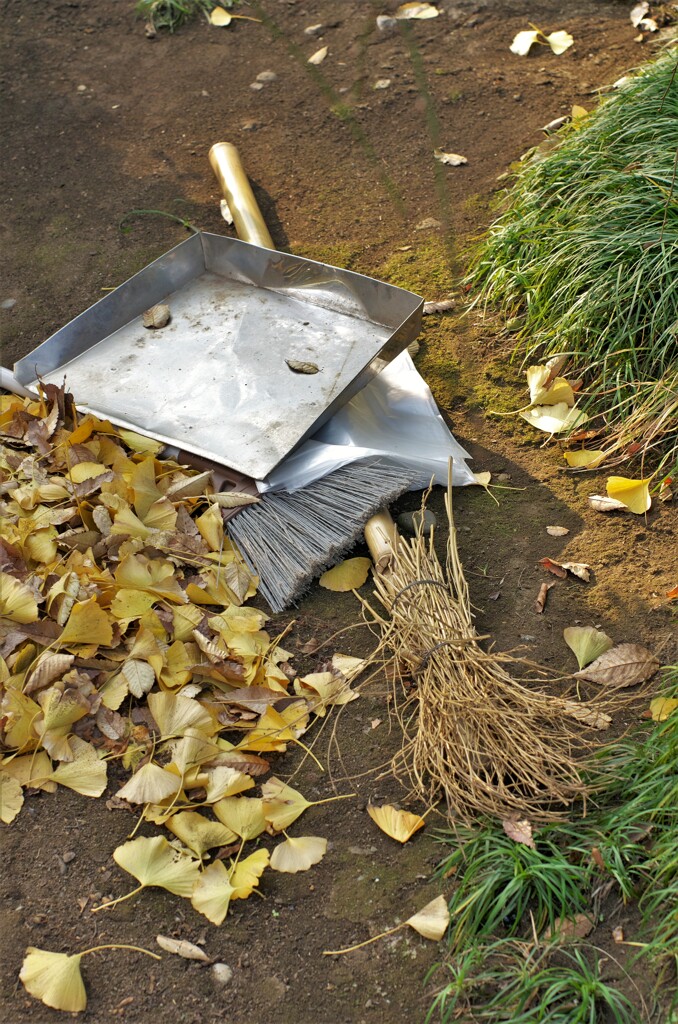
[(288, 539)]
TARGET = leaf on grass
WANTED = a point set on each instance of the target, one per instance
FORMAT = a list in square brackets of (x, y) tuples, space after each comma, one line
[(660, 708), (601, 503), (317, 58), (624, 665), (54, 979), (582, 459), (587, 715), (547, 389), (17, 600), (399, 825), (153, 862), (220, 17), (150, 785), (199, 833), (634, 494), (11, 798), (587, 643), (565, 929), (298, 854), (432, 920), (557, 531), (183, 948), (553, 419), (348, 575), (452, 159), (520, 831)]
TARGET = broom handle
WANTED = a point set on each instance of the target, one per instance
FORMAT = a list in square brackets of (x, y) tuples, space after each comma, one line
[(380, 530)]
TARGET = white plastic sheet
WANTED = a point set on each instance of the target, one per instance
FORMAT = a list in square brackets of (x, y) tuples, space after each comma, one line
[(394, 417)]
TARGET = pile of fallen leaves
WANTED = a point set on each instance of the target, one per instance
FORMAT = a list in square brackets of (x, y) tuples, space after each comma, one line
[(124, 637)]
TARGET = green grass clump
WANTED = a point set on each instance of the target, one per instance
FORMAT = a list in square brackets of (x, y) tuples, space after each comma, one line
[(586, 252), (171, 14)]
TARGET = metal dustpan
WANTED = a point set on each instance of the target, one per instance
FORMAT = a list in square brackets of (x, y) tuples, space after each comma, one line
[(216, 380)]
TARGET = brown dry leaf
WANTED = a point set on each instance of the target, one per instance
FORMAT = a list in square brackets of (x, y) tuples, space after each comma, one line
[(183, 948), (521, 831), (565, 929), (597, 858), (590, 716), (561, 569), (348, 575), (540, 602), (618, 933), (557, 531), (234, 499), (238, 578), (555, 567), (672, 594), (399, 825), (622, 666)]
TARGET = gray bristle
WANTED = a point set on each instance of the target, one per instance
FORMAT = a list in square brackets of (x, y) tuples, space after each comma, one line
[(290, 539)]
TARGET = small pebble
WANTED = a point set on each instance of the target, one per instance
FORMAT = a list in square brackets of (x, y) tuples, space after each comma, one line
[(82, 88), (266, 76), (382, 83), (221, 974), (407, 521), (8, 303), (313, 30)]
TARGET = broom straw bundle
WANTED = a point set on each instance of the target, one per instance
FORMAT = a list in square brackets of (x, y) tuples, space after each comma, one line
[(473, 735)]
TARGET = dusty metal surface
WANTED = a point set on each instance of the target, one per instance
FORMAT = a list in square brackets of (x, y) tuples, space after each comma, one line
[(215, 380)]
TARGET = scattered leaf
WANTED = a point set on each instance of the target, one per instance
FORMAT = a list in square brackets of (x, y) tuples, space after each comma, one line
[(582, 459), (234, 499), (521, 831), (55, 979), (298, 854), (199, 833), (524, 41), (348, 575), (672, 594), (618, 933), (622, 666), (183, 948), (561, 569), (559, 41), (11, 798), (555, 567), (399, 825), (603, 504), (432, 920), (452, 159), (540, 602), (17, 600), (589, 716), (220, 17), (565, 929), (317, 58), (557, 531), (553, 419), (634, 494), (660, 708), (213, 892), (301, 367), (150, 785), (587, 643), (416, 11)]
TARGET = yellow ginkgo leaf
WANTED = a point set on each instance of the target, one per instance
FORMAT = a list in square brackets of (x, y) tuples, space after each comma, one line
[(244, 815), (224, 781), (582, 458), (82, 471), (143, 483), (88, 623), (554, 418), (86, 773), (128, 605), (54, 978), (185, 618), (400, 825), (60, 710), (150, 785), (198, 833), (432, 920), (660, 708), (41, 545), (298, 854), (30, 770), (211, 527), (17, 601), (140, 442), (246, 874), (213, 892), (154, 575), (11, 798), (348, 575), (220, 17), (175, 714), (323, 689), (153, 862), (635, 494), (587, 643), (276, 728), (349, 666), (282, 804)]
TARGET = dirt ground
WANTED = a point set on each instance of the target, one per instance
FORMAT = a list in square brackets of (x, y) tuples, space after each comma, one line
[(101, 121)]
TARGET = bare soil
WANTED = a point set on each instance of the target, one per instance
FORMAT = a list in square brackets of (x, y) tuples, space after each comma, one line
[(100, 121)]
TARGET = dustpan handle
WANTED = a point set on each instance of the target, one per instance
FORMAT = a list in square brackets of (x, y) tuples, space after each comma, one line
[(237, 192)]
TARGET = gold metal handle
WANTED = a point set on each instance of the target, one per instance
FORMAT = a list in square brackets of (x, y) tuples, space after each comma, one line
[(237, 192)]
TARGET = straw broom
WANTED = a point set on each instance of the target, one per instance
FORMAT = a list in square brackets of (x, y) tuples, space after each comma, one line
[(473, 735)]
